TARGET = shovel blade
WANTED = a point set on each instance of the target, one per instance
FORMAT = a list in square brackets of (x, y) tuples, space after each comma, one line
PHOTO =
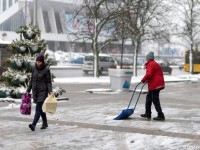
[(124, 114)]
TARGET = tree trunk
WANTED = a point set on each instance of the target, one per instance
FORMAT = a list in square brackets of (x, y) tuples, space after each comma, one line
[(96, 64), (95, 51), (135, 51), (191, 60), (135, 63), (122, 53)]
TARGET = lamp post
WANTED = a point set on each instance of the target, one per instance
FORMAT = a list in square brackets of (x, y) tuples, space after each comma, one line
[(35, 13), (191, 64), (122, 34)]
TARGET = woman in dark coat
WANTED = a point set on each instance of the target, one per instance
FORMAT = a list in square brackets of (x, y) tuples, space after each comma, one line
[(41, 86)]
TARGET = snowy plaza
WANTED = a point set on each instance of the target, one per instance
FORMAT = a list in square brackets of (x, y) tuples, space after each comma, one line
[(78, 41), (85, 122)]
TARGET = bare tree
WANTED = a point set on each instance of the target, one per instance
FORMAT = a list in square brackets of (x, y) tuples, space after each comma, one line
[(143, 19), (187, 25), (99, 13), (146, 20), (121, 31)]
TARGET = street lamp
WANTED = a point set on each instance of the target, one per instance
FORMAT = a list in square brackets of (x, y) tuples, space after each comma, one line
[(191, 64), (35, 13)]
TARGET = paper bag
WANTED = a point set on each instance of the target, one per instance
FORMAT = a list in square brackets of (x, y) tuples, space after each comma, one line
[(50, 104)]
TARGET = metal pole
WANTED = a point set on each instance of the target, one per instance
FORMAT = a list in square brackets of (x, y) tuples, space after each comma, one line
[(191, 65), (35, 13), (25, 18)]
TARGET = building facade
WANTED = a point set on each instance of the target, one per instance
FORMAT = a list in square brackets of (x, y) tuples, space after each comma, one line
[(52, 18)]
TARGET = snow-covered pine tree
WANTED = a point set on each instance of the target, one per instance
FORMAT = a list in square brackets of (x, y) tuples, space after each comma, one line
[(22, 61)]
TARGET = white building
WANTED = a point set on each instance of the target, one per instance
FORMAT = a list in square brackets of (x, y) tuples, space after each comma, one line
[(51, 17)]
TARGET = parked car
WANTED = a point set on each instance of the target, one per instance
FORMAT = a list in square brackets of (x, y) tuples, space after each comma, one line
[(105, 62), (77, 60), (127, 62), (165, 65), (177, 62)]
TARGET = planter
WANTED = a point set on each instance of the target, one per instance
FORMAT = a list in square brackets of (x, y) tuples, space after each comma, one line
[(120, 79)]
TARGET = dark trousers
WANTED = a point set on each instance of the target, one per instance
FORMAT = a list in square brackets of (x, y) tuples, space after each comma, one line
[(153, 96), (38, 113)]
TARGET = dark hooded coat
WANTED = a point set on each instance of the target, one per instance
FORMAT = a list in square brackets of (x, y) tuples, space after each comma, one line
[(40, 83)]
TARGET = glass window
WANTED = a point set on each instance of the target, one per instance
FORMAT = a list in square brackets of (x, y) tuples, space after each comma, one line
[(46, 22), (4, 4), (13, 23), (58, 23), (51, 45), (10, 3), (89, 58), (111, 59), (105, 59)]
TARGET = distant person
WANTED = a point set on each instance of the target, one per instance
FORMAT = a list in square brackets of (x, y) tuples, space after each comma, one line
[(41, 86), (155, 79)]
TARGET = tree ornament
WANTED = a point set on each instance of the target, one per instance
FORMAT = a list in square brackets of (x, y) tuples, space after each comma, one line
[(29, 33), (35, 49), (22, 48)]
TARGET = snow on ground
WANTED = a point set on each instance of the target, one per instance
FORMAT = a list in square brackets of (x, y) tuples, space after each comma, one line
[(84, 139), (106, 80), (10, 106), (103, 80), (60, 136), (87, 139)]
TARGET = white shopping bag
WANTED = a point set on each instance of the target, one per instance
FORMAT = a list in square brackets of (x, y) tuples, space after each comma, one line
[(50, 104)]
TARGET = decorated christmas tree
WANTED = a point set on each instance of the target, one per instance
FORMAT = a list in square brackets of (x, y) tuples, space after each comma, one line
[(22, 61)]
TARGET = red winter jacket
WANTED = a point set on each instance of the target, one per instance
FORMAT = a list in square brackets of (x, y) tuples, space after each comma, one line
[(154, 76)]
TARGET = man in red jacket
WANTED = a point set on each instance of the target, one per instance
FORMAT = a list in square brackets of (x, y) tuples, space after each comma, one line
[(155, 79)]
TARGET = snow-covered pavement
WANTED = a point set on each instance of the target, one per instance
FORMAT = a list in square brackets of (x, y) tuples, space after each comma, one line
[(85, 122), (106, 79)]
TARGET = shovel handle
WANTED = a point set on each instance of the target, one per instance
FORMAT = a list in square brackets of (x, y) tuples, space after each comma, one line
[(139, 96), (133, 94)]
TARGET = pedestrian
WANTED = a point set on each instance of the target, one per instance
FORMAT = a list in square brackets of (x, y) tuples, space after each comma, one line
[(155, 79), (41, 86)]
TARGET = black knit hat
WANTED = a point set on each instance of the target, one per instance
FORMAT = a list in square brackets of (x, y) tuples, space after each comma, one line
[(40, 58)]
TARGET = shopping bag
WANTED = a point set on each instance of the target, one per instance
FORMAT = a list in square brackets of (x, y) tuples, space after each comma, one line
[(25, 107), (50, 104)]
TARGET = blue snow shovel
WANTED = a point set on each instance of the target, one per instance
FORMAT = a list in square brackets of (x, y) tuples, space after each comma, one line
[(128, 112)]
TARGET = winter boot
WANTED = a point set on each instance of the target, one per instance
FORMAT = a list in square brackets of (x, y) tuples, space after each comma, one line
[(44, 125), (32, 127), (146, 116), (159, 118)]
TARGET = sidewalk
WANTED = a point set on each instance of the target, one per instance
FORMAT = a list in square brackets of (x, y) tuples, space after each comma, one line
[(106, 79), (85, 122)]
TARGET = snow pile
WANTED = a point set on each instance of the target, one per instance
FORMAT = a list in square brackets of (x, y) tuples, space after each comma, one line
[(10, 106)]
